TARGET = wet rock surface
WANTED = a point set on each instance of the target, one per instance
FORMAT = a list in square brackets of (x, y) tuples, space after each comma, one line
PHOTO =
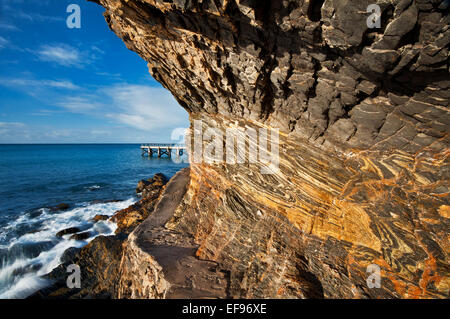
[(59, 207), (68, 231), (81, 236), (364, 123), (98, 262)]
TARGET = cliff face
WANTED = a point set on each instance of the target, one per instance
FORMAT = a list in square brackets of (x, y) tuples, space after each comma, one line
[(363, 152)]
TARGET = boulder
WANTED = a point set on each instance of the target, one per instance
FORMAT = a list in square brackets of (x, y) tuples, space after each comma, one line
[(127, 219), (81, 236), (60, 207), (67, 231), (98, 218)]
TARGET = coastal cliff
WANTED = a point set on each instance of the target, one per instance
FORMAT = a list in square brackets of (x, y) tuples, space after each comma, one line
[(363, 123)]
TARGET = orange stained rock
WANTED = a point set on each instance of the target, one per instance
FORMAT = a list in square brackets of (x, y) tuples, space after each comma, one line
[(444, 211)]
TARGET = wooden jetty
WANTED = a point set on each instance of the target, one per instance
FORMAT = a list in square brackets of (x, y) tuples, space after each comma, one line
[(162, 149)]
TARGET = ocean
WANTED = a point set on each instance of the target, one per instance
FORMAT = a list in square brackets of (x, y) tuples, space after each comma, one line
[(92, 179)]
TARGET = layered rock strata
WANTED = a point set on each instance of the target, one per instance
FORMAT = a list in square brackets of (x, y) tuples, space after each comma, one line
[(363, 116)]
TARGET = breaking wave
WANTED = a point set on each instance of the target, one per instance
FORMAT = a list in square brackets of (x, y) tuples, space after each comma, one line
[(33, 249)]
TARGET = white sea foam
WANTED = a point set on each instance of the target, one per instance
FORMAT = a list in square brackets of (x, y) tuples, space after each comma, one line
[(16, 278), (93, 187)]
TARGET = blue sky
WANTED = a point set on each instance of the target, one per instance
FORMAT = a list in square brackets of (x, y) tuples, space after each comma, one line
[(61, 85)]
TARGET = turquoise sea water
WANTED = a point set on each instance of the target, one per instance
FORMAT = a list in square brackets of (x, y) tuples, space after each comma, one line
[(92, 179)]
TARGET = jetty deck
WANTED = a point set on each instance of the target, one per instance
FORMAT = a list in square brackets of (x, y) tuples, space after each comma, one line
[(161, 149)]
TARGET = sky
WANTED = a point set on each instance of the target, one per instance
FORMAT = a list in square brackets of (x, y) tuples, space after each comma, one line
[(76, 85)]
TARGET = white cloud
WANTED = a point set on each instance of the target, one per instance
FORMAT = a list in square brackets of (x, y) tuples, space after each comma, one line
[(36, 17), (139, 106), (16, 132), (3, 42), (145, 107), (79, 104), (11, 7), (7, 125), (97, 49), (45, 112), (61, 84), (101, 133), (8, 27), (108, 75), (28, 83), (126, 113), (11, 129), (62, 54), (67, 55)]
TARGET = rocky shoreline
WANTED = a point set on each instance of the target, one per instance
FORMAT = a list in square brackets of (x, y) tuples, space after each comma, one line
[(364, 137), (99, 260)]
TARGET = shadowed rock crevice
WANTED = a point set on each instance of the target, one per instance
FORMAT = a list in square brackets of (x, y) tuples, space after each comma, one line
[(314, 10)]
